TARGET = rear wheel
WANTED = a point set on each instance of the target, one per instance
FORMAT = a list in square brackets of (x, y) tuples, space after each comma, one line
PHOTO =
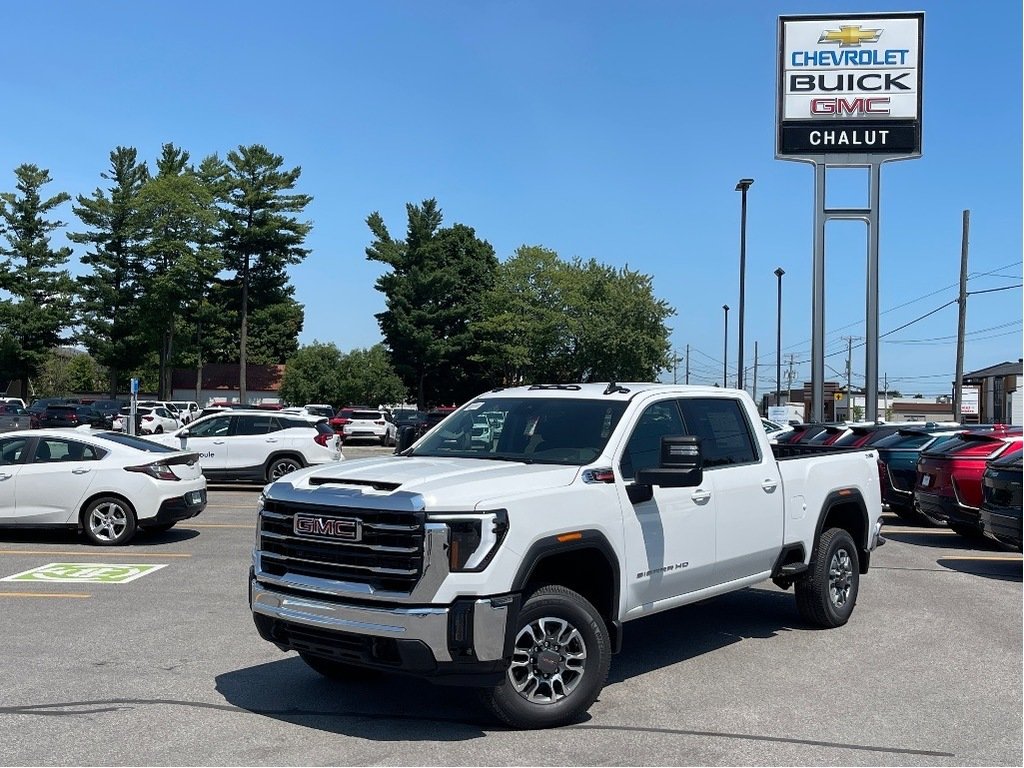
[(282, 466), (560, 662), (108, 521), (159, 430), (828, 593), (967, 530)]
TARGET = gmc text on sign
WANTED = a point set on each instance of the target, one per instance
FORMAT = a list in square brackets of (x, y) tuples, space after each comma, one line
[(850, 84)]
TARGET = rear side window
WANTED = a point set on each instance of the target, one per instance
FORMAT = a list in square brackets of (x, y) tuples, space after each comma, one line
[(12, 449), (722, 426), (51, 449), (253, 425)]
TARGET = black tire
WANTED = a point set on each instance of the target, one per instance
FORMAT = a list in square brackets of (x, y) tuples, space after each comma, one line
[(160, 527), (384, 439), (159, 430), (569, 626), (908, 515), (967, 530), (282, 465), (108, 521), (827, 594), (337, 670)]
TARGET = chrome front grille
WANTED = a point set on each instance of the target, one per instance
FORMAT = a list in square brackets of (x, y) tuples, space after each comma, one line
[(388, 556)]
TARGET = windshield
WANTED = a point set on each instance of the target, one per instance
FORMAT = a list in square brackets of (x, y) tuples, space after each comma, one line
[(529, 429)]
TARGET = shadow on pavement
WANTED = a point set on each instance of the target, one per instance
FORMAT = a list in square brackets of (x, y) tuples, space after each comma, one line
[(941, 538), (1007, 568), (288, 690)]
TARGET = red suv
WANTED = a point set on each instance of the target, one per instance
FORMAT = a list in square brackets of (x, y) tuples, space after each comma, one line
[(948, 487)]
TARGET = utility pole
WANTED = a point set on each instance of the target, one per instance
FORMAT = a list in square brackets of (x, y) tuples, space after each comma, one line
[(885, 395), (789, 380), (961, 326), (849, 382), (675, 366), (755, 375), (687, 363)]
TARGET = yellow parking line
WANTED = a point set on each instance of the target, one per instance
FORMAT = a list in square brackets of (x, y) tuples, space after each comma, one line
[(224, 506), (930, 531), (997, 558), (42, 594), (219, 525), (115, 555)]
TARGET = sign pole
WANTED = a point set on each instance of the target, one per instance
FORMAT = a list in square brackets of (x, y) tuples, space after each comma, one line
[(871, 313)]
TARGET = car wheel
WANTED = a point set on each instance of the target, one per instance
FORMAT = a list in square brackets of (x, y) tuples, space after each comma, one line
[(560, 661), (337, 670), (282, 466), (108, 521), (384, 439), (159, 430), (827, 594)]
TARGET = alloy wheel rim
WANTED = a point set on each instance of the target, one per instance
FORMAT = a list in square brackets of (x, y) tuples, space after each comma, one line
[(840, 578), (108, 522), (282, 468), (548, 660)]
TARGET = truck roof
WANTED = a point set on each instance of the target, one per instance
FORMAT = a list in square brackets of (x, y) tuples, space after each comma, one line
[(602, 390)]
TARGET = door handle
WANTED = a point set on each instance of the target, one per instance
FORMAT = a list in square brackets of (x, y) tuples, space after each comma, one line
[(769, 485), (79, 471), (218, 442), (5, 477), (271, 439), (701, 497)]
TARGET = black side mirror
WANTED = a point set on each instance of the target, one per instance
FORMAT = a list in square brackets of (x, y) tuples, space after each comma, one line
[(406, 437), (681, 466)]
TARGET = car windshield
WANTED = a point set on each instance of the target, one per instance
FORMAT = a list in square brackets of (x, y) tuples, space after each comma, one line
[(528, 429), (133, 442)]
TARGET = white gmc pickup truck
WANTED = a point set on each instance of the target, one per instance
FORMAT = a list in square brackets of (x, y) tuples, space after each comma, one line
[(507, 547)]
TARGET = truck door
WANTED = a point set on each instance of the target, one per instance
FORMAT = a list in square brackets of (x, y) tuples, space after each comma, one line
[(748, 491), (669, 532)]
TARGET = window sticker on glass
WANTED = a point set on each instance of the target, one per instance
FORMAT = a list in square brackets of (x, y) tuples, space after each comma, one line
[(531, 426), (474, 406)]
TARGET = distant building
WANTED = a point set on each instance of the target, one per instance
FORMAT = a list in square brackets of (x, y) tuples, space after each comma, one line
[(995, 387), (220, 383)]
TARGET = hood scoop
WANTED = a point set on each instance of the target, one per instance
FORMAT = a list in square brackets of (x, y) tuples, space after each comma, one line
[(377, 485)]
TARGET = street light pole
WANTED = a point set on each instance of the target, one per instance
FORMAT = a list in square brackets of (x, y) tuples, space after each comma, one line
[(742, 186), (778, 340), (725, 351)]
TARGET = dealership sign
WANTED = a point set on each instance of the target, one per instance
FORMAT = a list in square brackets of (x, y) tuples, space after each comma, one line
[(850, 84)]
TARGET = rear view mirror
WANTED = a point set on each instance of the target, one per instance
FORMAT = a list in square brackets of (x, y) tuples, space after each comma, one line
[(681, 464), (184, 434)]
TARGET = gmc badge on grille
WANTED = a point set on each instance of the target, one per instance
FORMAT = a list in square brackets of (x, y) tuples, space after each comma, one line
[(341, 528)]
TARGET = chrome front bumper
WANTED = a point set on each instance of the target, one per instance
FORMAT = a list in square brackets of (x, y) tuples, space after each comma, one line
[(429, 625)]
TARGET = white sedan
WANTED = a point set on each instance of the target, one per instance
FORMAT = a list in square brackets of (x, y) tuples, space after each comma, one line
[(105, 484)]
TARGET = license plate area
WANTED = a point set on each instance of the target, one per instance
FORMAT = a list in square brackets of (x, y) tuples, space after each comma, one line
[(926, 481), (195, 497)]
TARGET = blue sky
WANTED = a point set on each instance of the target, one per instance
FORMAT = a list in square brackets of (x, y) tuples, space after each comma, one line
[(614, 131)]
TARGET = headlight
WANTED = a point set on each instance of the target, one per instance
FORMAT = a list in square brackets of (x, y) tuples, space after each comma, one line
[(473, 538)]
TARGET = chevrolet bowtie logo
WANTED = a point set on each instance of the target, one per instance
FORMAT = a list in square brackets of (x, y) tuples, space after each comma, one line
[(850, 37)]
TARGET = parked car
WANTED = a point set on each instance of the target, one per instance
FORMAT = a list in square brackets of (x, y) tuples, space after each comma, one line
[(109, 409), (319, 409), (239, 444), (104, 484), (13, 417), (70, 415), (798, 433), (341, 418), (370, 424), (149, 421), (408, 417), (35, 410), (434, 417), (948, 487), (13, 401), (188, 410), (898, 454), (166, 405), (1001, 500), (864, 435)]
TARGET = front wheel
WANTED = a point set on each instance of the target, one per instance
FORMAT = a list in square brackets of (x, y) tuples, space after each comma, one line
[(827, 594), (108, 522), (560, 662), (159, 430)]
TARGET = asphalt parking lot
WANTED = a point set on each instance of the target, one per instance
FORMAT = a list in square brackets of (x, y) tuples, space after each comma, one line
[(167, 669)]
